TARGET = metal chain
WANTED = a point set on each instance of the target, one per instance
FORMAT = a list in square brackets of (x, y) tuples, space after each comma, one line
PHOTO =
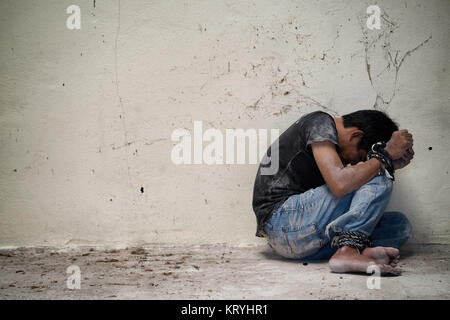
[(377, 151)]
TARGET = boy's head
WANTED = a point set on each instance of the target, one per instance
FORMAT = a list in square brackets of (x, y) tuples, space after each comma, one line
[(362, 129)]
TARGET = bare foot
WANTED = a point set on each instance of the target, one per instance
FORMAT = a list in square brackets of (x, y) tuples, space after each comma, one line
[(383, 255), (348, 259)]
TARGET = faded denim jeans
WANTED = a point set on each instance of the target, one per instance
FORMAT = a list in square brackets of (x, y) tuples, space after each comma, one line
[(303, 227)]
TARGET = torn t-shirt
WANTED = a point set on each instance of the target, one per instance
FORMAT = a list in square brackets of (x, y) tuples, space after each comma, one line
[(297, 171)]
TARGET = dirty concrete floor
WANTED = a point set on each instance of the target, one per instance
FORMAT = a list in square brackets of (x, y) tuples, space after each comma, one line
[(210, 272)]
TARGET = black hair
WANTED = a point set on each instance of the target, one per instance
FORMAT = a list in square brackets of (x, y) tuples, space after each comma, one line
[(376, 125)]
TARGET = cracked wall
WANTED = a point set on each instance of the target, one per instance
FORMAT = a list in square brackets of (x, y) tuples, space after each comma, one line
[(86, 115)]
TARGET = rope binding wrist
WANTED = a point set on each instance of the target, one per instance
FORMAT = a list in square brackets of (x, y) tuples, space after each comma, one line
[(377, 151)]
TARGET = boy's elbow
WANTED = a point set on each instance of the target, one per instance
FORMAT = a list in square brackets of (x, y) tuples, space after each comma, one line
[(339, 190)]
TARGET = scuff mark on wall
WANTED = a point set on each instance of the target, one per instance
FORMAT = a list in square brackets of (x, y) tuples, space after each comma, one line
[(379, 43), (152, 141), (122, 108), (283, 97)]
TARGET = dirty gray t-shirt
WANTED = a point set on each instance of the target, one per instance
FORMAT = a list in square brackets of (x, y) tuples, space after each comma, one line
[(298, 171)]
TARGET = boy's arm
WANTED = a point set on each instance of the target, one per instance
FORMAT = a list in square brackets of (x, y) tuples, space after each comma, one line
[(343, 180)]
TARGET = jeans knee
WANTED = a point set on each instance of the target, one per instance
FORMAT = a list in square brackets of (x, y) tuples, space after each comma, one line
[(382, 183)]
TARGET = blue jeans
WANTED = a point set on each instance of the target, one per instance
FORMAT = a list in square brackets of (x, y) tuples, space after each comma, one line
[(303, 227)]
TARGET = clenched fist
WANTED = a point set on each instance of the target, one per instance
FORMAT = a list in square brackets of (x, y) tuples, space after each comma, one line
[(400, 142), (404, 160)]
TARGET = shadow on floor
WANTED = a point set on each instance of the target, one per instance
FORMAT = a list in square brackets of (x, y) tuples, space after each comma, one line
[(269, 253)]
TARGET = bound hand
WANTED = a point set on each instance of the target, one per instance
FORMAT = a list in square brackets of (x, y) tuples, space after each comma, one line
[(404, 160), (400, 141)]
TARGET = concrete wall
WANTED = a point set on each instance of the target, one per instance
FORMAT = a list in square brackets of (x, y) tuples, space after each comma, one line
[(87, 115)]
